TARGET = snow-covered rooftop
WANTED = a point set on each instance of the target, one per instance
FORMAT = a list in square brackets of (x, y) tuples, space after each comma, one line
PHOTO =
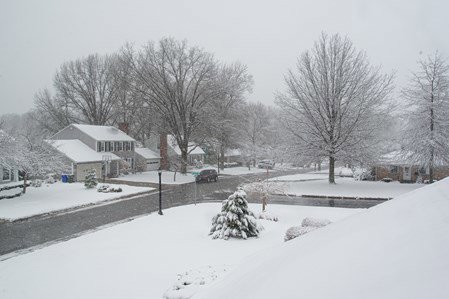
[(78, 152), (233, 152), (146, 153), (104, 133), (194, 149)]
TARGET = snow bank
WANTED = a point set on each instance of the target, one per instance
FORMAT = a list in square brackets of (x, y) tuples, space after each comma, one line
[(59, 196), (153, 177), (397, 249)]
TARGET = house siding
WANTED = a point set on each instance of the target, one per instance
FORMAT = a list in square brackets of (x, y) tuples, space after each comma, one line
[(384, 172), (72, 132)]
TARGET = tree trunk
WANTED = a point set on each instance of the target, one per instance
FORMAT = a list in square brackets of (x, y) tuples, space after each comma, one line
[(319, 166), (183, 161), (25, 177), (431, 166), (222, 158), (264, 202), (331, 170)]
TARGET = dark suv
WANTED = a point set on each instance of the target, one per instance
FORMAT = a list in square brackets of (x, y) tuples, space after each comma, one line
[(207, 175)]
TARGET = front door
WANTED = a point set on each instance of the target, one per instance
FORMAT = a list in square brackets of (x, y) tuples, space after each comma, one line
[(407, 173)]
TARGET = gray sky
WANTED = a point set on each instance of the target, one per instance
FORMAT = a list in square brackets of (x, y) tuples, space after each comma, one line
[(36, 37)]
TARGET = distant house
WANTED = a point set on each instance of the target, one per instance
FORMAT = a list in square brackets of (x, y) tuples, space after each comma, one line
[(233, 155), (8, 174), (396, 166), (103, 148), (172, 150), (146, 159)]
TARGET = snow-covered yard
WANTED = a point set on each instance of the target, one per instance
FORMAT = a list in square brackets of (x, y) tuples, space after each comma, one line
[(142, 258), (397, 249), (153, 177), (240, 170), (58, 196), (317, 185)]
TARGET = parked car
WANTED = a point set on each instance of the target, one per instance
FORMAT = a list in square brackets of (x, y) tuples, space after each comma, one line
[(207, 175), (266, 164)]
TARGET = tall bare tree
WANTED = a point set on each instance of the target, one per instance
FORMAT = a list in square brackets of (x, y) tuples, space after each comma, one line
[(178, 80), (427, 131), (335, 102), (227, 117)]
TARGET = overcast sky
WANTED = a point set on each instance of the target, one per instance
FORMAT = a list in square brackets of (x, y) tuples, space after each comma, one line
[(36, 37)]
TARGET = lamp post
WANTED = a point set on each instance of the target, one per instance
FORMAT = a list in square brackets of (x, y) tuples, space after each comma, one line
[(159, 172)]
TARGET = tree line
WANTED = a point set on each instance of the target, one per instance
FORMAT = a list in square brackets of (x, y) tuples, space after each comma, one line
[(335, 105)]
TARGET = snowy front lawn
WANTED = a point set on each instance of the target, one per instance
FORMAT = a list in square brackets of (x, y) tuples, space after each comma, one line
[(153, 177), (397, 249), (240, 170), (344, 187), (59, 196), (143, 258)]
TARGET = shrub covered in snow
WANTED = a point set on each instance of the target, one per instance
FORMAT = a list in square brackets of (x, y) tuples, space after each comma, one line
[(91, 179), (108, 189), (296, 231), (267, 216), (315, 222), (235, 219), (36, 183)]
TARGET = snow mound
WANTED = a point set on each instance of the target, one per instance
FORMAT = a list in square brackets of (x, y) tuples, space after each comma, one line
[(190, 282), (397, 249), (268, 216), (315, 222)]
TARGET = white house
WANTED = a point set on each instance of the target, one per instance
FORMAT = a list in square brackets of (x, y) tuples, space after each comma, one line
[(103, 148)]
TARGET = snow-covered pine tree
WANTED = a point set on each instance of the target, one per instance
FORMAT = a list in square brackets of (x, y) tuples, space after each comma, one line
[(235, 219), (91, 179)]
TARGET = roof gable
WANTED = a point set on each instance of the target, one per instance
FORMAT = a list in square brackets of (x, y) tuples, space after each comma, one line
[(103, 133), (78, 152)]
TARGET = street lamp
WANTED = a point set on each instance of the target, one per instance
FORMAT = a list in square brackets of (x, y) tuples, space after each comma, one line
[(159, 172)]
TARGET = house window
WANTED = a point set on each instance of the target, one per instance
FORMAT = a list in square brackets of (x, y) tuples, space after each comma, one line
[(107, 146), (6, 174), (101, 146), (116, 146), (129, 161), (424, 170), (393, 169), (132, 146), (98, 146), (126, 146)]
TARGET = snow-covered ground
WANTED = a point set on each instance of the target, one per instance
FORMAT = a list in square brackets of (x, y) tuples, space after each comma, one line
[(317, 184), (153, 177), (146, 257), (397, 249), (55, 197), (239, 170)]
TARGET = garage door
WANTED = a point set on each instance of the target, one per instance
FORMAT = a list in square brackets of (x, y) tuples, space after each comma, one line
[(152, 165)]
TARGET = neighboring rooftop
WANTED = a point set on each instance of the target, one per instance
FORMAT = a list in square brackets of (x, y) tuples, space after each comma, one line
[(104, 133), (78, 152), (194, 149), (146, 153)]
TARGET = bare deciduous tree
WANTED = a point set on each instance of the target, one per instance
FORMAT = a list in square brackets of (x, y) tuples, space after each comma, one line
[(178, 81), (427, 131), (335, 102)]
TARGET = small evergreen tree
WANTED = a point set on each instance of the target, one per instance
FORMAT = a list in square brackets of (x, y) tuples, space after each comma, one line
[(235, 219), (91, 179)]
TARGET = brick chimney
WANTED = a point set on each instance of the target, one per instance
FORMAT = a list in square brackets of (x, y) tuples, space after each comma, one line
[(124, 127), (163, 150)]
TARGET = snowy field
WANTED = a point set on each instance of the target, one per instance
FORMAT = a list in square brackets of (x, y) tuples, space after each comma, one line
[(153, 177), (240, 170), (313, 185), (55, 197), (397, 249), (142, 258)]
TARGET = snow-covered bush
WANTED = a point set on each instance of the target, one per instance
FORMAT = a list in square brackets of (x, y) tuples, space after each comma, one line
[(91, 179), (362, 174), (235, 219), (108, 189), (296, 231), (315, 222), (36, 183), (267, 216)]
